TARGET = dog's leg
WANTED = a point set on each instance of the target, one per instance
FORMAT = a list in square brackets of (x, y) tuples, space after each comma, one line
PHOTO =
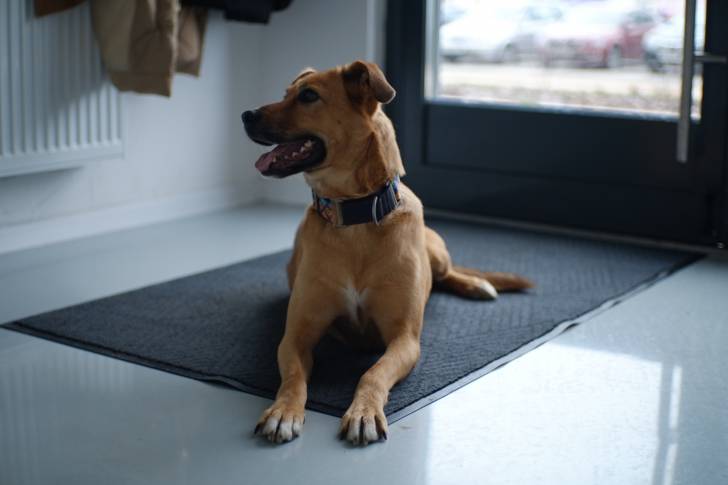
[(308, 317), (295, 261), (467, 282), (283, 421), (364, 421)]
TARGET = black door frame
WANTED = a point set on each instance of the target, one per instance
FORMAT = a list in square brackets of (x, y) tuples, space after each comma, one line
[(685, 203)]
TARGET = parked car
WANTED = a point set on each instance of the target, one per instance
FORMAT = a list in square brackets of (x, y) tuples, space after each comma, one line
[(663, 45), (452, 10), (505, 32), (599, 34)]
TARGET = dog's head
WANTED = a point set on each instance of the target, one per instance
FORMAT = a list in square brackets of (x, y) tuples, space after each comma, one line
[(329, 125)]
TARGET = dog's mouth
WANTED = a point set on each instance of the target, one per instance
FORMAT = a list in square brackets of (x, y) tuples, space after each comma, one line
[(291, 157)]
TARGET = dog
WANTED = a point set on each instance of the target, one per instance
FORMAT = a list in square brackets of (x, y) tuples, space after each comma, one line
[(363, 262)]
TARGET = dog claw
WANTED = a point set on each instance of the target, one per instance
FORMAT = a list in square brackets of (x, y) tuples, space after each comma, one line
[(280, 424), (363, 429)]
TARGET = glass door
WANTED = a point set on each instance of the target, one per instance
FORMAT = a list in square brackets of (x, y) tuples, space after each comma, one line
[(587, 113)]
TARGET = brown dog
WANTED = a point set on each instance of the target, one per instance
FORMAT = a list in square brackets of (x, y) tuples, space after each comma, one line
[(363, 262)]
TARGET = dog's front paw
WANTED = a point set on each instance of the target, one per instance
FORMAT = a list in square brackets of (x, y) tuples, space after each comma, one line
[(281, 422), (363, 423)]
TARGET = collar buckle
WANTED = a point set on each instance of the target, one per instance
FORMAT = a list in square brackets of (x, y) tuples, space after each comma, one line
[(374, 210), (339, 222)]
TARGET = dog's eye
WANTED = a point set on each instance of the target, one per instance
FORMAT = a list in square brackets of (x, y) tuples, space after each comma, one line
[(308, 95)]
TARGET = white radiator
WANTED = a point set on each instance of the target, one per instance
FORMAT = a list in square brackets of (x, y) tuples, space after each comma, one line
[(57, 109)]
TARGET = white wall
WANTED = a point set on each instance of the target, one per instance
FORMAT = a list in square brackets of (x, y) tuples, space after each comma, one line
[(189, 154), (183, 155), (319, 34)]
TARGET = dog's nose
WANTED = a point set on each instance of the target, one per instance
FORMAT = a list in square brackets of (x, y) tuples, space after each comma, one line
[(251, 117)]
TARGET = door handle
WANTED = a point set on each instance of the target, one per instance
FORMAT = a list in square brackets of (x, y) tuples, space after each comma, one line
[(708, 58), (689, 58)]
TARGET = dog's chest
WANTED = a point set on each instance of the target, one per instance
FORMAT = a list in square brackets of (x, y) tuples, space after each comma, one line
[(356, 326), (355, 304)]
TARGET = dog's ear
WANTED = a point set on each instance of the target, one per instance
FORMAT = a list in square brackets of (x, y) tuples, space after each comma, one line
[(363, 79), (306, 71)]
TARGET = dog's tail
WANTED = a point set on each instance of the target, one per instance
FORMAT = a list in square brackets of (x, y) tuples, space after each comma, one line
[(480, 285), (500, 281)]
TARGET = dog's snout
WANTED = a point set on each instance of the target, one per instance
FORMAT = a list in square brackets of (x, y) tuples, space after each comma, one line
[(251, 117)]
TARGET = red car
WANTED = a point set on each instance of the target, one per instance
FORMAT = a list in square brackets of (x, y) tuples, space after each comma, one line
[(602, 35)]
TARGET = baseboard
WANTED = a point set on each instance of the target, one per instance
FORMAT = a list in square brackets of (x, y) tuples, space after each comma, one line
[(50, 231)]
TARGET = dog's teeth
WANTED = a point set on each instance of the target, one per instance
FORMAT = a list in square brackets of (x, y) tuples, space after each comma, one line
[(308, 144)]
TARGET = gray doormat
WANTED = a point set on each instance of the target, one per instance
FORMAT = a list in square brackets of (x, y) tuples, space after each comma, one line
[(224, 325)]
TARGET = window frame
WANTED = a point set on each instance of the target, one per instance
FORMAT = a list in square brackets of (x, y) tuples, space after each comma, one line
[(687, 208)]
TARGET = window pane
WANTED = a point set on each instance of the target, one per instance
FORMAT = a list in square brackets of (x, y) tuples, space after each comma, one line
[(622, 55)]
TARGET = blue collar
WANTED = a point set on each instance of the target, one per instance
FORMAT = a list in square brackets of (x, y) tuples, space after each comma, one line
[(371, 208)]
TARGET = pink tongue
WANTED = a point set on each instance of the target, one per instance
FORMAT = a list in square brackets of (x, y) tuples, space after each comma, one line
[(265, 161), (278, 153)]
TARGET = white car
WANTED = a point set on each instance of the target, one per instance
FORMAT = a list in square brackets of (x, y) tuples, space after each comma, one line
[(496, 33), (663, 45)]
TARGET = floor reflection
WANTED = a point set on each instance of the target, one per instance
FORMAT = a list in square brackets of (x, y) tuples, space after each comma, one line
[(34, 415), (523, 446)]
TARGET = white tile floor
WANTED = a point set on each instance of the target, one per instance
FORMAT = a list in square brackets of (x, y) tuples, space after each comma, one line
[(637, 395)]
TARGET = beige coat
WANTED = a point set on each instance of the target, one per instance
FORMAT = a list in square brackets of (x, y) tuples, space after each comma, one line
[(143, 42)]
